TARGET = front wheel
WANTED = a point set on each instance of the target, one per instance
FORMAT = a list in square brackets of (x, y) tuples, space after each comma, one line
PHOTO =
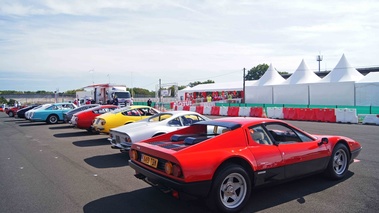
[(11, 114), (338, 163), (231, 189), (52, 119)]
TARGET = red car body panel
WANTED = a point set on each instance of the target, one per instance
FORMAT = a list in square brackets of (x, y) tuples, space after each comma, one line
[(85, 118)]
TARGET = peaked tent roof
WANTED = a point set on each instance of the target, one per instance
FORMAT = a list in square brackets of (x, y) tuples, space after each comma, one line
[(302, 75), (343, 72), (271, 77), (372, 77)]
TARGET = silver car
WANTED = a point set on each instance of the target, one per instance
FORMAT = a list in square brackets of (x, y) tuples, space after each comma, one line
[(123, 137)]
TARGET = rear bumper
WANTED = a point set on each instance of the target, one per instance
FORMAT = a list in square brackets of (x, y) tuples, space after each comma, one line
[(193, 189)]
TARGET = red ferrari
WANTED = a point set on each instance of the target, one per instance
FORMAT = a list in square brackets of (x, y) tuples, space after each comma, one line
[(223, 159), (83, 119)]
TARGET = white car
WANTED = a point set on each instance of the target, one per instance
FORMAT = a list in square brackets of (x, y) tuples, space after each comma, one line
[(123, 137), (29, 113)]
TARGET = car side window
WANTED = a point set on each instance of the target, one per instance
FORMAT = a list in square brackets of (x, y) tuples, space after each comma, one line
[(259, 135), (282, 133), (175, 122)]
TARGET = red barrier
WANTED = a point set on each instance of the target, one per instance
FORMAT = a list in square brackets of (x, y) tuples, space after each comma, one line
[(186, 108), (319, 114), (286, 113), (292, 114), (300, 114), (215, 110), (330, 115), (233, 111), (257, 112), (310, 114), (200, 109)]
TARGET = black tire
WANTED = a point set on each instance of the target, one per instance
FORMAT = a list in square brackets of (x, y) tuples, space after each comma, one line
[(231, 189), (339, 162), (52, 119), (11, 114)]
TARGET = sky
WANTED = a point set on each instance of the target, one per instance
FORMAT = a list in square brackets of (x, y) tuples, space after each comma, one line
[(69, 44)]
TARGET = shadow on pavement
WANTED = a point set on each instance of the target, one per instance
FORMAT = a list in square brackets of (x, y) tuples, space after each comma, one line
[(108, 161), (152, 200), (67, 126), (144, 200), (72, 134), (92, 142)]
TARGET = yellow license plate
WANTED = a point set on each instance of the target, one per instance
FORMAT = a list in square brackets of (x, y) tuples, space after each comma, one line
[(153, 162)]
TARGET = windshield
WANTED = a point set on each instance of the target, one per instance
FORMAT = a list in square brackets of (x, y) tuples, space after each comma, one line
[(122, 94)]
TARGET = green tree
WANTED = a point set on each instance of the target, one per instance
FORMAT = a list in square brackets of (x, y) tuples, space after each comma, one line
[(3, 100), (257, 72), (192, 84)]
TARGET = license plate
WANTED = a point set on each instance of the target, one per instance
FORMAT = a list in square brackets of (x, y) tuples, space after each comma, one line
[(153, 162)]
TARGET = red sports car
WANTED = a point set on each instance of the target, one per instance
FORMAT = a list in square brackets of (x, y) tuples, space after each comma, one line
[(13, 110), (223, 159), (83, 119)]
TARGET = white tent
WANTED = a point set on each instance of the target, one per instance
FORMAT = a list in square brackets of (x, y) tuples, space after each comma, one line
[(342, 72), (262, 90), (215, 87), (338, 87), (271, 77), (302, 75), (295, 89), (367, 90)]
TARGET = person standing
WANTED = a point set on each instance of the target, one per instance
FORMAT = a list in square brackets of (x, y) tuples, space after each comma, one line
[(149, 102)]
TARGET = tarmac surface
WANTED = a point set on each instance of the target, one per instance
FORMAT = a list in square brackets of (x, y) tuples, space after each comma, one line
[(55, 168)]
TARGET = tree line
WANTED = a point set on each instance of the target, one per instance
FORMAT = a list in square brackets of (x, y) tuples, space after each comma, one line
[(253, 74)]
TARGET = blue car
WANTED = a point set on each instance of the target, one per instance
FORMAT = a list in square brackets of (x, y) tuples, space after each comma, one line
[(52, 114)]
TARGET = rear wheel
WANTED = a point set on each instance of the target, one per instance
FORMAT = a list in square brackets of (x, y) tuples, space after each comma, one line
[(231, 189), (52, 119), (339, 162)]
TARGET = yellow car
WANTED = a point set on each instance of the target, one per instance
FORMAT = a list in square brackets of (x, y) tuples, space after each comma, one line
[(129, 114)]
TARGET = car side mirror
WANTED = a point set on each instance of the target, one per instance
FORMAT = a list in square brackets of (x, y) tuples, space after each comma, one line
[(323, 141)]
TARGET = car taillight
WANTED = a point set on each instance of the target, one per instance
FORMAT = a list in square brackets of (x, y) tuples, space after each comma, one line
[(134, 155), (172, 169)]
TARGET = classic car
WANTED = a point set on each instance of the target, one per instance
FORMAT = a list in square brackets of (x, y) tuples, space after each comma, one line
[(68, 115), (12, 111), (29, 112), (21, 112), (84, 119), (223, 159), (123, 136), (52, 114), (125, 115)]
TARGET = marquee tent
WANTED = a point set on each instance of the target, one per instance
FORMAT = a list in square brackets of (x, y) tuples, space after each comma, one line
[(271, 77), (342, 72), (338, 87), (295, 90), (262, 91), (367, 90), (216, 87)]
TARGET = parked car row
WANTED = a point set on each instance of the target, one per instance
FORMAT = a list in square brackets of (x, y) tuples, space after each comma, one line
[(187, 154)]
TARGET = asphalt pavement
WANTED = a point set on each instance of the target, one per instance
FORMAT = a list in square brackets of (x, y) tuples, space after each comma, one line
[(55, 168)]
